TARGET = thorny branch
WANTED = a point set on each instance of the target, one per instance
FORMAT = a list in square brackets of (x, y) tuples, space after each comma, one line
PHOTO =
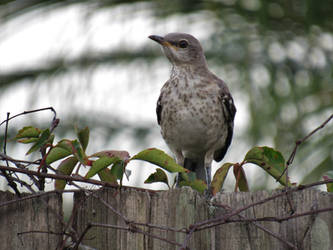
[(32, 111), (243, 219), (220, 220), (299, 142), (132, 226), (8, 177)]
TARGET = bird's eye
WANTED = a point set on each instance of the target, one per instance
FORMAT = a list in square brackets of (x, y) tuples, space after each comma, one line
[(183, 44)]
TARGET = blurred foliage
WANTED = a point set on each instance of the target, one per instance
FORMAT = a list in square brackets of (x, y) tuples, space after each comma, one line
[(276, 55)]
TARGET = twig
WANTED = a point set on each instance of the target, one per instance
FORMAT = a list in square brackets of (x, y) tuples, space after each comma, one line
[(135, 230), (54, 124), (8, 158), (31, 111), (126, 228), (23, 183), (278, 219), (258, 226), (5, 139), (207, 223), (77, 243), (131, 225), (19, 165), (127, 221), (59, 176), (188, 237), (40, 232), (163, 228), (299, 142), (9, 179)]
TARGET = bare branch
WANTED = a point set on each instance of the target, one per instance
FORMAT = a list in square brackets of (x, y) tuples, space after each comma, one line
[(31, 111), (9, 179), (299, 142)]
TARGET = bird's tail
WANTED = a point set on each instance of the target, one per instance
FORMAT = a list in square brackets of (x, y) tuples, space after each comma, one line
[(197, 166)]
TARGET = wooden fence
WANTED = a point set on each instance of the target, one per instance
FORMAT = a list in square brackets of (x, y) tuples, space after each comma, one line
[(136, 219)]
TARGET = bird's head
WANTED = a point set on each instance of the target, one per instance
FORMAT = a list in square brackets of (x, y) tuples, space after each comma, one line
[(181, 48)]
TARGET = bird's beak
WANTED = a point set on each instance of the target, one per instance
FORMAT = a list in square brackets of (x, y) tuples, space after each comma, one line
[(160, 40)]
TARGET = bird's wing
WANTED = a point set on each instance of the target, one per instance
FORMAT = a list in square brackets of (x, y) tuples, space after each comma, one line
[(229, 111), (159, 109), (159, 102)]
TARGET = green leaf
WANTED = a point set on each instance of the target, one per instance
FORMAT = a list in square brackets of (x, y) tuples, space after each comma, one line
[(189, 176), (118, 169), (56, 153), (329, 175), (83, 136), (43, 139), (241, 180), (27, 140), (28, 132), (190, 179), (79, 152), (197, 184), (158, 176), (107, 176), (159, 158), (51, 139), (101, 164), (75, 148), (66, 168), (65, 144), (270, 160), (219, 178)]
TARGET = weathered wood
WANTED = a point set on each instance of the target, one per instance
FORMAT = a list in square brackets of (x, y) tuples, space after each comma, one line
[(308, 232), (131, 203), (32, 223), (182, 207), (179, 208)]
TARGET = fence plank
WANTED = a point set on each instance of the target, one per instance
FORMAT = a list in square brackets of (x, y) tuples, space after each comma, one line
[(131, 203), (32, 223), (179, 208)]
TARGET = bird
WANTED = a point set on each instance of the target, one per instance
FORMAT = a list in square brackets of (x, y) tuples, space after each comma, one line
[(195, 109)]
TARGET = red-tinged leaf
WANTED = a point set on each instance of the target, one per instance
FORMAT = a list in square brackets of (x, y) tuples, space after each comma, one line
[(118, 169), (197, 184), (158, 176), (66, 168), (43, 139), (159, 158), (270, 160), (83, 136), (123, 155), (28, 132), (241, 182), (27, 140), (329, 176), (219, 178), (56, 153), (101, 164), (107, 176)]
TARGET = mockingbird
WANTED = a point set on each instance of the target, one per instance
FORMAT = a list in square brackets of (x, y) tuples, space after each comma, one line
[(195, 109)]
